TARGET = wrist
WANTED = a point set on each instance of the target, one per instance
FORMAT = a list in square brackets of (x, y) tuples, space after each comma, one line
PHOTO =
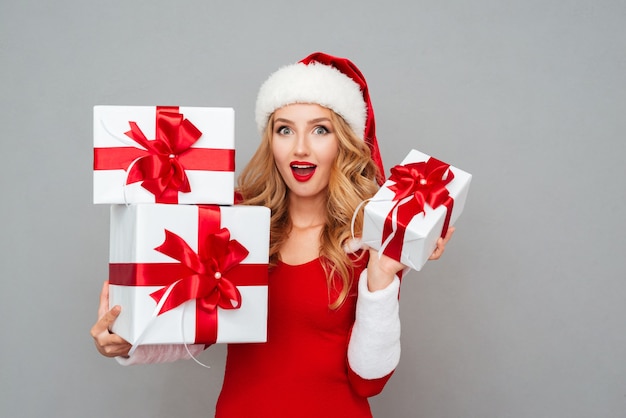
[(378, 280), (381, 271)]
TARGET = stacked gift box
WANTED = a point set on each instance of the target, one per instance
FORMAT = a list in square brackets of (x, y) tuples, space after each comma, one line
[(185, 263)]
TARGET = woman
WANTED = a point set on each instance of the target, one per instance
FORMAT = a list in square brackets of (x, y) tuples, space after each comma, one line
[(333, 324)]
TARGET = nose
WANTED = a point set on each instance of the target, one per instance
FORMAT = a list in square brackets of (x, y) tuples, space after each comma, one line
[(301, 147)]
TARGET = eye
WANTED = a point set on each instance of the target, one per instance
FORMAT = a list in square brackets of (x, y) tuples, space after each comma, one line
[(284, 130), (320, 130)]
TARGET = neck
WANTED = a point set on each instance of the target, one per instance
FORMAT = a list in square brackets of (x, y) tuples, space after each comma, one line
[(307, 212)]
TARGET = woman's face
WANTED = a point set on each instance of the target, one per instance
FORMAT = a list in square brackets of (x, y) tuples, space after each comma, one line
[(304, 147)]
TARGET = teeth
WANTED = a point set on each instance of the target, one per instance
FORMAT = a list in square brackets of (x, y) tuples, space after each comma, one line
[(302, 166)]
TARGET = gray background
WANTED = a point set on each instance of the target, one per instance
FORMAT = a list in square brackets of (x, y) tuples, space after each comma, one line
[(525, 314)]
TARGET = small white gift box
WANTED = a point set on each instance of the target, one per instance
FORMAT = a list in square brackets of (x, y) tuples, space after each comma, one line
[(399, 220)]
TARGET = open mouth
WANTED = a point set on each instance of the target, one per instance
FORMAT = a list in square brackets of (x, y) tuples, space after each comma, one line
[(302, 171)]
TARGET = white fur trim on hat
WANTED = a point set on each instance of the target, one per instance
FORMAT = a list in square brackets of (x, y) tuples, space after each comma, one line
[(313, 83)]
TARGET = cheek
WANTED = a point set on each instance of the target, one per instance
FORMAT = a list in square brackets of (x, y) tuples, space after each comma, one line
[(330, 152), (276, 151), (280, 158)]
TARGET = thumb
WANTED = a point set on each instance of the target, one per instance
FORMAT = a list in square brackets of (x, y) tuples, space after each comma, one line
[(106, 321), (109, 318), (103, 307)]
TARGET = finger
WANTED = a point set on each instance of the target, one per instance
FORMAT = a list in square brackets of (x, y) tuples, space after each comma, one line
[(108, 343), (110, 317), (103, 307), (441, 244), (448, 235), (104, 324), (436, 254), (105, 339), (112, 345), (114, 342), (438, 250)]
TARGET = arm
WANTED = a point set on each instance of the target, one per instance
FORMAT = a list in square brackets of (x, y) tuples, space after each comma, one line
[(374, 346)]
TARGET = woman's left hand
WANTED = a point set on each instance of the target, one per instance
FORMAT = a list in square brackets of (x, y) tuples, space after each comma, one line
[(441, 245), (382, 269)]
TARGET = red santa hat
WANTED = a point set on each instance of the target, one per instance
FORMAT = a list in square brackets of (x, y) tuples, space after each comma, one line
[(332, 82)]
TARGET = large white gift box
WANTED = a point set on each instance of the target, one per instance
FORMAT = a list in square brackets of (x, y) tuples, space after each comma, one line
[(210, 260), (160, 154), (400, 222)]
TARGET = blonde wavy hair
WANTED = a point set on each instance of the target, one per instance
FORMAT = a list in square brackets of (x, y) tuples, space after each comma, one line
[(352, 180)]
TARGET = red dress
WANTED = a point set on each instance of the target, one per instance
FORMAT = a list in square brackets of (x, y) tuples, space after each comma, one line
[(302, 370)]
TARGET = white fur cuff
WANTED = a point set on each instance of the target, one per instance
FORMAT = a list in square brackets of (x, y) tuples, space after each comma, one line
[(145, 354), (374, 348)]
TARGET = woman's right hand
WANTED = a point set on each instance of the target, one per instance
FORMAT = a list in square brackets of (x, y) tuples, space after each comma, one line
[(107, 343)]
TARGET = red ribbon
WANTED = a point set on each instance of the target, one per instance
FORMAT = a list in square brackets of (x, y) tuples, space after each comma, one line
[(161, 166), (423, 183), (197, 273)]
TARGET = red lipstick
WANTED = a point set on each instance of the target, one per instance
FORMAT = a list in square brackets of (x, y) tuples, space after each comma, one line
[(302, 171)]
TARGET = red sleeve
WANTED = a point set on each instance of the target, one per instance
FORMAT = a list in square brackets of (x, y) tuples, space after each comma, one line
[(367, 387)]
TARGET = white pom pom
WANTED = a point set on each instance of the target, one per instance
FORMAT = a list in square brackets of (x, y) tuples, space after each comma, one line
[(353, 245)]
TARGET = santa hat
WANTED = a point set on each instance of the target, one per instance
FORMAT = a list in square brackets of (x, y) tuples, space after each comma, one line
[(332, 82)]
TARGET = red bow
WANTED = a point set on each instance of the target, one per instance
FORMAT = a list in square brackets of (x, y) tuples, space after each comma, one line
[(160, 171), (426, 181), (206, 281)]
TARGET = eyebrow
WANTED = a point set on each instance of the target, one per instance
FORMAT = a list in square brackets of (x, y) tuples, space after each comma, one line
[(311, 122)]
